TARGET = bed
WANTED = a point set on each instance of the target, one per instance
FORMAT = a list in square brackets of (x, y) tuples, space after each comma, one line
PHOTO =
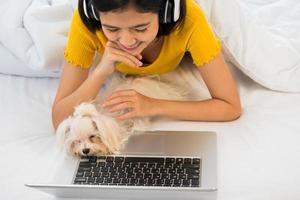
[(258, 154)]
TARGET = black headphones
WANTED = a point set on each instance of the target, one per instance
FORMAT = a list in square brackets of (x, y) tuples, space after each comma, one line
[(170, 11)]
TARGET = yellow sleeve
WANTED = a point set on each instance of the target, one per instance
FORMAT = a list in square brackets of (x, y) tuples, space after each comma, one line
[(81, 44), (203, 45)]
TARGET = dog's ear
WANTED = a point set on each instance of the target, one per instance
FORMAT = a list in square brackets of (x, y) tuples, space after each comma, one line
[(109, 132), (86, 110), (63, 130)]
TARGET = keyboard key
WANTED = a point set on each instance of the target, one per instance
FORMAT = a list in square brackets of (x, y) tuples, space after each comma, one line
[(148, 175), (80, 174), (144, 159), (182, 176), (119, 159), (91, 180), (109, 159), (143, 165), (195, 166), (192, 171), (170, 160), (196, 161), (93, 159), (195, 182), (79, 179), (179, 160), (193, 176), (157, 176), (187, 161), (186, 182), (83, 169)]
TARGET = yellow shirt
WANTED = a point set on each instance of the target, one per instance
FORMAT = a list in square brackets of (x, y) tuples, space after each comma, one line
[(195, 37)]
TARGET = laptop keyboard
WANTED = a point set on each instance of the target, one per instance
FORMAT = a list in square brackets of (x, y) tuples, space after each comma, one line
[(139, 171)]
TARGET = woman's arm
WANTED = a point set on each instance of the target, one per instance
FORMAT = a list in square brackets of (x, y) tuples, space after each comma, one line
[(224, 105), (76, 86)]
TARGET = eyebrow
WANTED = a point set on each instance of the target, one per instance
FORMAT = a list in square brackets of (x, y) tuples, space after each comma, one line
[(136, 26)]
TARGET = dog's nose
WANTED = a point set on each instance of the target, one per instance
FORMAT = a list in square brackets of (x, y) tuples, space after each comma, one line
[(85, 151)]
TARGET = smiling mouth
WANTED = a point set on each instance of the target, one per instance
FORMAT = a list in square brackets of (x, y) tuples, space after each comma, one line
[(131, 48)]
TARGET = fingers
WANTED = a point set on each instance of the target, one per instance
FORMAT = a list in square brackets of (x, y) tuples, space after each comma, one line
[(108, 104), (128, 59), (122, 106), (120, 93), (121, 100), (122, 56)]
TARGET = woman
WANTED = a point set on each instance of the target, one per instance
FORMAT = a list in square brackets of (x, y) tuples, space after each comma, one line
[(143, 37)]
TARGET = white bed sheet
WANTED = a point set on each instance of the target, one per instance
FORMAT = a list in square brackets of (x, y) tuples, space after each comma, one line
[(258, 155)]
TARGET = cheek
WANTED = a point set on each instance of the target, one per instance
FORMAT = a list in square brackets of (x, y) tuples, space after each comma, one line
[(109, 35), (149, 35)]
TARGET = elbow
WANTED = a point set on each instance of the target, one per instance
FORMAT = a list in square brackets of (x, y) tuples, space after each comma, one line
[(235, 112)]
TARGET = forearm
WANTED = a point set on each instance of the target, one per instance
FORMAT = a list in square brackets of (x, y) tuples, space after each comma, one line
[(207, 110), (86, 92)]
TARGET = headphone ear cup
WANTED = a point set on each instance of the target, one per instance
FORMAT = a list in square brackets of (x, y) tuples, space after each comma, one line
[(85, 8), (89, 10), (162, 13), (166, 12), (170, 11), (93, 11)]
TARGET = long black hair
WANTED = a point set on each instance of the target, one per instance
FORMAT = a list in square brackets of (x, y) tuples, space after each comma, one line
[(154, 6)]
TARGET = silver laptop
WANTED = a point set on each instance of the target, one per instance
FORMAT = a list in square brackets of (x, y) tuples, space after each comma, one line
[(155, 162)]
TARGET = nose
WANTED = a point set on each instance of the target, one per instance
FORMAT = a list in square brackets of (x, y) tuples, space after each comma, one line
[(86, 151), (127, 39)]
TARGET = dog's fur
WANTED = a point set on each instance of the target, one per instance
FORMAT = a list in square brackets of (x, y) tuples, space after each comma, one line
[(93, 131)]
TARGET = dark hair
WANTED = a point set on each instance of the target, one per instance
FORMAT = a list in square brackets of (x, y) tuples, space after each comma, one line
[(154, 6)]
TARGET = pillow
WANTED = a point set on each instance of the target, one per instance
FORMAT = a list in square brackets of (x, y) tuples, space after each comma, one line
[(33, 35), (261, 38), (13, 66)]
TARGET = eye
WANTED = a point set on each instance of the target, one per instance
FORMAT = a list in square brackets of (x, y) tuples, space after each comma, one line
[(113, 30), (140, 29), (92, 137)]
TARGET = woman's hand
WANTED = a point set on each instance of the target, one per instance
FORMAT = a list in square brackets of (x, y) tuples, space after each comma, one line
[(113, 54), (136, 104)]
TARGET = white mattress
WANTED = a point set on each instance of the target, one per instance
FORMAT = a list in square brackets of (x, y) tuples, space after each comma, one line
[(258, 155)]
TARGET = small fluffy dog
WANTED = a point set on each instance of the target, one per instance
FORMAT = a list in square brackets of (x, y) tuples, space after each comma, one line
[(93, 131)]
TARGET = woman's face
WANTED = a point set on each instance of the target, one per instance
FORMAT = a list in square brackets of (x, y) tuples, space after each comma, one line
[(131, 30)]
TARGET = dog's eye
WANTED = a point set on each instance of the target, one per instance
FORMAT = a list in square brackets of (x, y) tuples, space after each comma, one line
[(92, 137)]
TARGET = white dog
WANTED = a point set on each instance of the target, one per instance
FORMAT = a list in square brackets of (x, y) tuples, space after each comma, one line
[(93, 131)]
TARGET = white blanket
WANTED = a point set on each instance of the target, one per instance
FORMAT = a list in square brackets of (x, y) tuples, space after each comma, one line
[(258, 155), (262, 37), (35, 31)]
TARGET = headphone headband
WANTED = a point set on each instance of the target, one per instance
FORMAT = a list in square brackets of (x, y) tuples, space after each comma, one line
[(94, 13), (85, 9), (169, 14)]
